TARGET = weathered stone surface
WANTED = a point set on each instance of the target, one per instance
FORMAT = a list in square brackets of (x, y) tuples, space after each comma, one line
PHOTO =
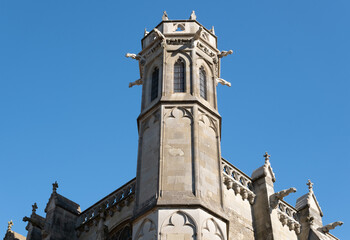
[(184, 189)]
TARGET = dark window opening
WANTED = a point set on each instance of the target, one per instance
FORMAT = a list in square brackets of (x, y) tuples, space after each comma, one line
[(203, 83), (179, 76), (155, 82)]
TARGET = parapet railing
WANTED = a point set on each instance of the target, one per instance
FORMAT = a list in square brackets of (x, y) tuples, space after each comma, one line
[(111, 203), (288, 215), (238, 181)]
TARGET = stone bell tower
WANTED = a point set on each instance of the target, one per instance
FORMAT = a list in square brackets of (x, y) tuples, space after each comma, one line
[(179, 125)]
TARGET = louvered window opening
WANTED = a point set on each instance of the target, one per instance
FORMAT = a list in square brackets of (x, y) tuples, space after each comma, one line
[(179, 76), (155, 82)]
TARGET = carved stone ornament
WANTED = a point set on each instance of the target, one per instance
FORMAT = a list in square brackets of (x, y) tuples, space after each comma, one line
[(224, 53), (222, 82), (331, 226), (34, 208), (147, 230), (292, 224), (206, 50), (9, 226), (279, 196), (54, 186), (211, 230), (237, 185), (178, 41), (193, 16), (179, 224), (165, 16), (137, 82)]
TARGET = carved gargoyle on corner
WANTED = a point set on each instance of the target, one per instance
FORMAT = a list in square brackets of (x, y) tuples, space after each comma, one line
[(133, 56), (223, 82), (224, 53), (137, 82), (34, 221), (274, 198), (325, 229)]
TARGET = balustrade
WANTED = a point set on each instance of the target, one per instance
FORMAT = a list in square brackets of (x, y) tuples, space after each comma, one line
[(288, 216), (240, 183), (113, 202)]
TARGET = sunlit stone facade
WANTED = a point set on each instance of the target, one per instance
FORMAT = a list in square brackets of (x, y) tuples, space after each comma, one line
[(184, 189)]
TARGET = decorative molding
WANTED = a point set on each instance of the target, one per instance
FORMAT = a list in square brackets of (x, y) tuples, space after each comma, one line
[(206, 50), (331, 226), (274, 198), (179, 223), (147, 230), (115, 202), (211, 230), (239, 183), (151, 50), (178, 41), (179, 112), (210, 122), (288, 216)]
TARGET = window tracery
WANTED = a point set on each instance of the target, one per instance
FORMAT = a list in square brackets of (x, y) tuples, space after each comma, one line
[(155, 83), (179, 76), (203, 83)]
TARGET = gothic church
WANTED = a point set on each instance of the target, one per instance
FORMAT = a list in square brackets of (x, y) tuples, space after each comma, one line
[(184, 189)]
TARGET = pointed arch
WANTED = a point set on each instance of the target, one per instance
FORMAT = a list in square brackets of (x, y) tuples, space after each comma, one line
[(179, 76), (211, 230), (147, 230), (179, 225)]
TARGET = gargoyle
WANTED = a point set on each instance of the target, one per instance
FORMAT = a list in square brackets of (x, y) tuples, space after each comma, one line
[(133, 56), (159, 34), (34, 221), (197, 34), (224, 53), (137, 82), (331, 226), (223, 82), (280, 195)]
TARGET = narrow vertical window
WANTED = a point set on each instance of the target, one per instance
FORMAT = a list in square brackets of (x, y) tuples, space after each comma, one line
[(155, 82), (179, 76), (203, 83)]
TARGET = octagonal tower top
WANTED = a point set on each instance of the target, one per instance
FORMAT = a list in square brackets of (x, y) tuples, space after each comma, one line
[(180, 28), (179, 62)]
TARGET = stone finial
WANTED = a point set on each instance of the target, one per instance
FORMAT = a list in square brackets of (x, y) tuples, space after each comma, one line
[(331, 226), (145, 33), (193, 16), (212, 30), (310, 185), (9, 226), (34, 208), (54, 187), (165, 16), (267, 157)]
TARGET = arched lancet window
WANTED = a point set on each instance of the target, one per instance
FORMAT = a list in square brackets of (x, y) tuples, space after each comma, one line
[(155, 83), (179, 76), (203, 83)]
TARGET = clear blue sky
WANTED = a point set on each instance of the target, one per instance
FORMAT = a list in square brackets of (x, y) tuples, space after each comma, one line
[(67, 114)]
